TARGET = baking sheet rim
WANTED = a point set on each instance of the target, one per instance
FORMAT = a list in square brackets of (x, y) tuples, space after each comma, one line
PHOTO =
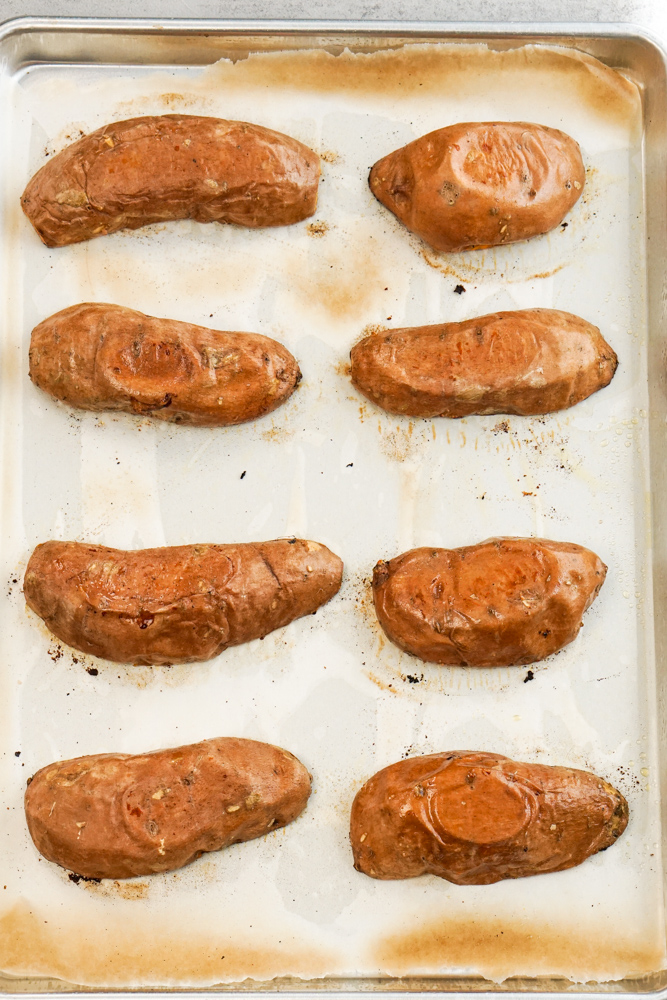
[(554, 33)]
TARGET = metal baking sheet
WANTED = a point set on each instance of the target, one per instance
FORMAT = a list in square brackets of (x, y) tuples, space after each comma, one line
[(331, 467)]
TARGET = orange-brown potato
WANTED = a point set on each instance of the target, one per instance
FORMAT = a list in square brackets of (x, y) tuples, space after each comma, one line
[(116, 815), (179, 604), (476, 818), (104, 357), (525, 362), (154, 169), (503, 602), (481, 184)]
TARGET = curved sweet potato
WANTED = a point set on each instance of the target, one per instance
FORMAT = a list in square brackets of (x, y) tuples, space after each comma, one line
[(481, 184), (525, 362), (503, 602), (104, 357), (158, 168), (119, 815), (477, 818), (176, 605)]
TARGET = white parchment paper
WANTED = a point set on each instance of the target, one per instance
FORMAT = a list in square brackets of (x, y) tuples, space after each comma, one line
[(330, 467)]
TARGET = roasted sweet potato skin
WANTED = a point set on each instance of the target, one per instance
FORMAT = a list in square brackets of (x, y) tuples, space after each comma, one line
[(481, 184), (97, 356), (503, 602), (176, 604), (154, 169), (476, 818), (523, 362), (119, 815)]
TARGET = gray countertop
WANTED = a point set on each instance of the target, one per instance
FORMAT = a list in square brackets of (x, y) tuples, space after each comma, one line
[(648, 14)]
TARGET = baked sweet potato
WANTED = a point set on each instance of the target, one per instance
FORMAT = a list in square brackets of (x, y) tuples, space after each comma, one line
[(524, 362), (179, 604), (477, 818), (503, 602), (158, 168), (481, 184), (105, 357), (115, 815)]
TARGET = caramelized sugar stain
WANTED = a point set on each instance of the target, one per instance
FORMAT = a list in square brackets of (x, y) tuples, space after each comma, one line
[(14, 227), (583, 213), (396, 443), (277, 432), (544, 274), (176, 100), (402, 439), (118, 890), (343, 282), (342, 367), (317, 229), (138, 950), (381, 682), (406, 439), (169, 103), (371, 636), (539, 437), (468, 270), (472, 270), (417, 68), (281, 425), (360, 586), (498, 949)]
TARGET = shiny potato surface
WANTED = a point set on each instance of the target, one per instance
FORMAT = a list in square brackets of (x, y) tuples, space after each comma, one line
[(118, 815), (522, 362), (481, 184), (503, 602), (177, 604), (104, 357), (158, 168), (477, 818)]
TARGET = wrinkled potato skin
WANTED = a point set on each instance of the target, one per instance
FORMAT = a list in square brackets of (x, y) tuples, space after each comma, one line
[(477, 818), (504, 602), (179, 604), (481, 184), (118, 815), (104, 357), (521, 362), (159, 168)]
